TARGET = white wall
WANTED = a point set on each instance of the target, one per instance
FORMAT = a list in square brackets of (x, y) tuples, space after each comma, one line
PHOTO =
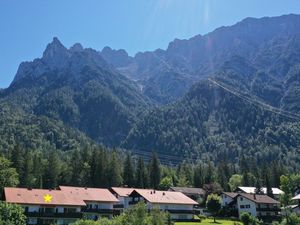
[(245, 205), (226, 200)]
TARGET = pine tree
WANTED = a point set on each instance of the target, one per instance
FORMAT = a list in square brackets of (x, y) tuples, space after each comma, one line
[(258, 188), (154, 171), (140, 176), (198, 176), (17, 159), (53, 170), (209, 174), (29, 179), (114, 172), (269, 188), (76, 167), (128, 172), (38, 170)]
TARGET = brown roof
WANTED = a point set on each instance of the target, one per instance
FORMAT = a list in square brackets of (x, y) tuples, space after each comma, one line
[(167, 197), (189, 190), (259, 198), (36, 197), (230, 194), (123, 192), (90, 194)]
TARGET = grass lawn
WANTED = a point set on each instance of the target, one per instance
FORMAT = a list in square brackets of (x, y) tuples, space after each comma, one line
[(209, 222)]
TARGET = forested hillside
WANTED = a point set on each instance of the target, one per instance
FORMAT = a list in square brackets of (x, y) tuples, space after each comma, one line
[(232, 92), (76, 86)]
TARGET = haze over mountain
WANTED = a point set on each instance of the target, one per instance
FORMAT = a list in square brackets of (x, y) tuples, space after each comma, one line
[(261, 41), (164, 101)]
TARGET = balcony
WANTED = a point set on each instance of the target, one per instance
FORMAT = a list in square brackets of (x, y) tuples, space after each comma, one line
[(71, 215), (269, 218), (100, 211), (119, 206), (133, 203), (181, 211), (275, 209)]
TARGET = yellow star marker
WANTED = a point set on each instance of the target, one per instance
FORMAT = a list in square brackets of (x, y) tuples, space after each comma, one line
[(47, 198)]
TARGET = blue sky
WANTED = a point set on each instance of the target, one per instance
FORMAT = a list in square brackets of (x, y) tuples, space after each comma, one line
[(134, 25)]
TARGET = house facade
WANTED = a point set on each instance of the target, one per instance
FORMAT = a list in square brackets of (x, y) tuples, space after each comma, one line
[(63, 206), (180, 207), (99, 202), (260, 206), (122, 194), (228, 199), (197, 194), (296, 208)]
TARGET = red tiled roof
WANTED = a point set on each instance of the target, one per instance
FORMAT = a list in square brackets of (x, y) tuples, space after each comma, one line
[(167, 197), (259, 198), (71, 196), (36, 197), (123, 192), (90, 194)]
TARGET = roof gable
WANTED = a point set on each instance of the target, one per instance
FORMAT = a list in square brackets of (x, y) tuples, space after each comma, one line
[(258, 198), (189, 190), (90, 194), (164, 197)]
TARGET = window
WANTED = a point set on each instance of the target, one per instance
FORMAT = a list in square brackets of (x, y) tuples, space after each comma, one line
[(241, 199), (242, 206), (247, 206)]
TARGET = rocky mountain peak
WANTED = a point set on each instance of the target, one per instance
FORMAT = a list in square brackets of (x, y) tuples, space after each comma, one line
[(76, 48), (56, 54)]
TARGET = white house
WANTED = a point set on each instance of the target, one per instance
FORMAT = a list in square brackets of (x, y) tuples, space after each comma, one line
[(296, 208), (63, 206), (99, 202), (122, 194), (180, 207), (228, 199), (197, 194), (261, 206), (251, 190)]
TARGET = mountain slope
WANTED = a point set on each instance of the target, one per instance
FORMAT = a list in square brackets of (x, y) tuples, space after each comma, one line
[(79, 88), (270, 43), (213, 123), (36, 132)]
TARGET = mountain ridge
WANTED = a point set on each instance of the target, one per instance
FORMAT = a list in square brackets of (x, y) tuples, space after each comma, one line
[(163, 100)]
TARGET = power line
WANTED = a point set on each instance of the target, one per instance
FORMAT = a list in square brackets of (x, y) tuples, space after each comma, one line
[(256, 102)]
